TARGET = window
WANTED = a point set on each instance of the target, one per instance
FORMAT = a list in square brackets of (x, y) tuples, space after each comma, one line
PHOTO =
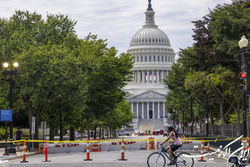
[(141, 59), (158, 58), (149, 58), (149, 40), (154, 58), (146, 58), (162, 58)]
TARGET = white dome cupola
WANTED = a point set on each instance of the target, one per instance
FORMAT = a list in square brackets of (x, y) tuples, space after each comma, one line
[(150, 34)]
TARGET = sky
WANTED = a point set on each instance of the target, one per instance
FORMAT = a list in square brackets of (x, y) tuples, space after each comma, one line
[(118, 20)]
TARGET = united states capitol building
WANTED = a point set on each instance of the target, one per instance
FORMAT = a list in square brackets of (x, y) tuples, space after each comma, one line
[(153, 57)]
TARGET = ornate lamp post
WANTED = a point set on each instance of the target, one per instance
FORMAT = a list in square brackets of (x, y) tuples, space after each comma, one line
[(10, 72), (243, 45)]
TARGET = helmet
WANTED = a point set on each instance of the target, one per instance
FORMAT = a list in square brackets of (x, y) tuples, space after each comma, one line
[(171, 128)]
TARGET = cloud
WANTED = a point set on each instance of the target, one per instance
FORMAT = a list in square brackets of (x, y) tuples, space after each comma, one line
[(118, 20)]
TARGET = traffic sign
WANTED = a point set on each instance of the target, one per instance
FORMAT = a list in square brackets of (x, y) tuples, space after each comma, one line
[(5, 115)]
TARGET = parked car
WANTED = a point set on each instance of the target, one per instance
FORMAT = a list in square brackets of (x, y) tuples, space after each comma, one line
[(123, 133), (159, 132)]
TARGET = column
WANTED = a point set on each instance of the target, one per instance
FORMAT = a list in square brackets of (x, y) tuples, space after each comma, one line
[(158, 76), (159, 110), (131, 105), (162, 71), (153, 110), (138, 76), (164, 114), (143, 76), (134, 76), (137, 110), (147, 110), (148, 76), (142, 110)]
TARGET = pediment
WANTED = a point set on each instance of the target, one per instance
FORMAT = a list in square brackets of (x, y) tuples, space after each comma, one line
[(149, 95)]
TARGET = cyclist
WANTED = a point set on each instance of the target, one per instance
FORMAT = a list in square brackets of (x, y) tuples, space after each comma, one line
[(172, 134)]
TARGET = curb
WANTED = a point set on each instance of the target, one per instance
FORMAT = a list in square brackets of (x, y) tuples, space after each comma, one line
[(20, 156)]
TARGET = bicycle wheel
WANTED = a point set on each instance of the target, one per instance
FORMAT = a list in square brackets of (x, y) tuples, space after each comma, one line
[(181, 160), (156, 159)]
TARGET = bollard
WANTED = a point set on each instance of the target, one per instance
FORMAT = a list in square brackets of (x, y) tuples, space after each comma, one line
[(202, 151), (24, 153), (46, 152), (122, 152), (87, 153)]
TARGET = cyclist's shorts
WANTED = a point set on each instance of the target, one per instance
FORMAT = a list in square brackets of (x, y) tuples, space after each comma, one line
[(174, 147)]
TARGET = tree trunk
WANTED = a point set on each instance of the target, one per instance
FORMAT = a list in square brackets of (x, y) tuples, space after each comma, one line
[(100, 132), (72, 136), (200, 122), (110, 132), (222, 118), (212, 123), (88, 134), (95, 133), (51, 130), (30, 110), (107, 132), (238, 118)]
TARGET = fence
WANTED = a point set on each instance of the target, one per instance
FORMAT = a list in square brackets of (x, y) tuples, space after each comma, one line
[(230, 130)]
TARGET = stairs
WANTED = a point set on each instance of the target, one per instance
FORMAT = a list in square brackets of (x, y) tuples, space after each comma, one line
[(150, 124)]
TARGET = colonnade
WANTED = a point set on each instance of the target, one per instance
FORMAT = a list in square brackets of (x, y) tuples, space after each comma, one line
[(150, 76), (148, 110)]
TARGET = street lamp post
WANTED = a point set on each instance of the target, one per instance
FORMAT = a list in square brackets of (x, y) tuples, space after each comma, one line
[(243, 45), (206, 121), (183, 119), (191, 114), (10, 72)]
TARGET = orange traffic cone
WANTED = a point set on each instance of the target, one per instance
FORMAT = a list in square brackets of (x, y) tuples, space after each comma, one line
[(208, 147), (24, 153), (122, 152), (88, 153), (202, 151)]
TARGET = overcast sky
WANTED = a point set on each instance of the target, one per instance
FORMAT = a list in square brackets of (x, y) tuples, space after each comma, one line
[(118, 20)]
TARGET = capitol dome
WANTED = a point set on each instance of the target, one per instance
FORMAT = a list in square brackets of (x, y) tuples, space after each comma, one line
[(149, 36)]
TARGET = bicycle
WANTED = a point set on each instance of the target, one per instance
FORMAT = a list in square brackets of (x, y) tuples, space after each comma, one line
[(157, 159)]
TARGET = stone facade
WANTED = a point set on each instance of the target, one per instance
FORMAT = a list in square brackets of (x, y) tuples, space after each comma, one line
[(153, 57)]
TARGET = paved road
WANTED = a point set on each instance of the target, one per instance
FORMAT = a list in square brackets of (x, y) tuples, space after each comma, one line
[(103, 159)]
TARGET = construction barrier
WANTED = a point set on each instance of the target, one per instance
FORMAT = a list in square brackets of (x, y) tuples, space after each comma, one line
[(96, 147)]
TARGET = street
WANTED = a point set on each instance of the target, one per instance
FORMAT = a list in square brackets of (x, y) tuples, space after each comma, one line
[(104, 159)]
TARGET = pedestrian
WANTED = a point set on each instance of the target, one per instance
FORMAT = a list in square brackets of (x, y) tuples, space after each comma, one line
[(19, 134)]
